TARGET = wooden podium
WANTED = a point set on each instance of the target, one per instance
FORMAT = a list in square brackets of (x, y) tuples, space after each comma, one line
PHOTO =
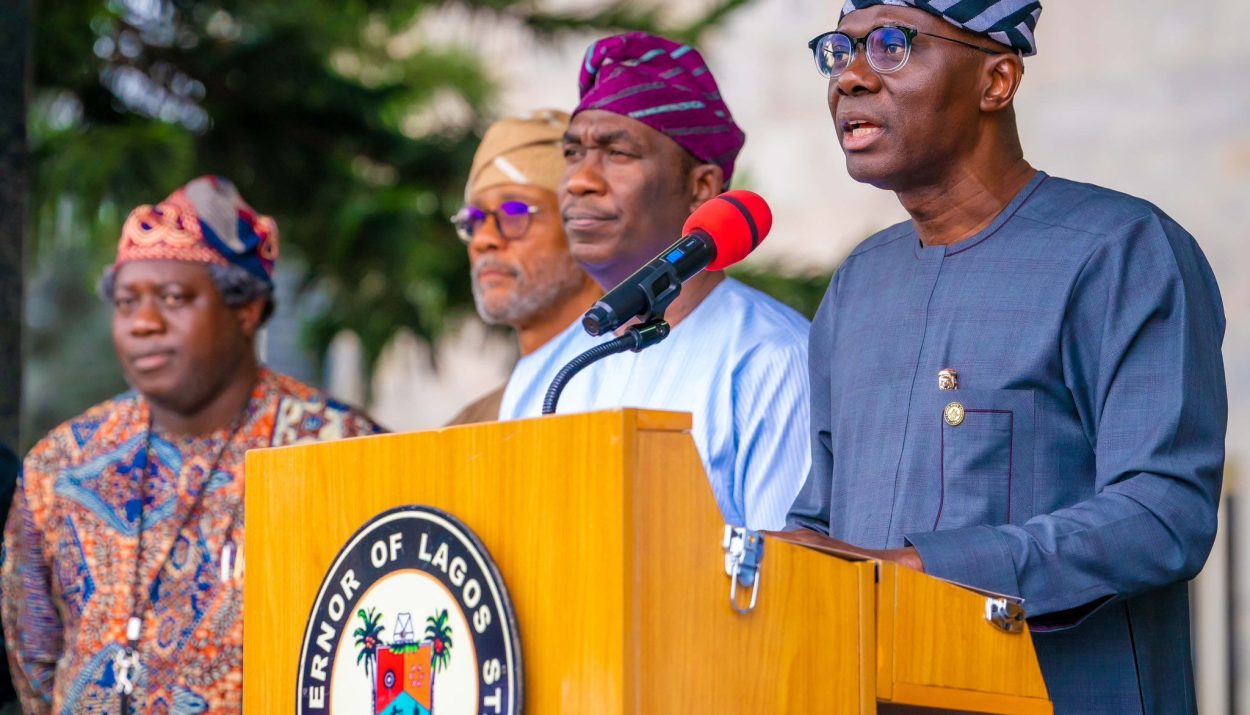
[(608, 539)]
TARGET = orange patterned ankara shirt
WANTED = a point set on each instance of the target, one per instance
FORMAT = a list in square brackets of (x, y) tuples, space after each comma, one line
[(69, 571)]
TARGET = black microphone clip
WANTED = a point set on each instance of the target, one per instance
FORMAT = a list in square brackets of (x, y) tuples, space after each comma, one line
[(651, 289), (657, 288)]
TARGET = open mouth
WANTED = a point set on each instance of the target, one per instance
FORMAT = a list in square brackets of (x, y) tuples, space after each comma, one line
[(859, 128)]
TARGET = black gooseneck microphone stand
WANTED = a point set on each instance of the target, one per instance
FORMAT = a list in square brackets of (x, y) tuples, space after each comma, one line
[(636, 339)]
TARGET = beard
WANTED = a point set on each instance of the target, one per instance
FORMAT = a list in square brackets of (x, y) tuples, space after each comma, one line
[(540, 290)]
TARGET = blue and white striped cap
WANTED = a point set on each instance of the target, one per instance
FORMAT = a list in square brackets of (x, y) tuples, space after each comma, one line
[(1010, 22)]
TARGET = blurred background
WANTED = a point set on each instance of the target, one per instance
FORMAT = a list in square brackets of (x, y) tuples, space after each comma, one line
[(353, 123)]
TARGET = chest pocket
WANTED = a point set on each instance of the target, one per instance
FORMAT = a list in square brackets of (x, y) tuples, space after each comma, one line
[(986, 451)]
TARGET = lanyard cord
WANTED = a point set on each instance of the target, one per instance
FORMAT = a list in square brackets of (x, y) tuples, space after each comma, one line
[(128, 660)]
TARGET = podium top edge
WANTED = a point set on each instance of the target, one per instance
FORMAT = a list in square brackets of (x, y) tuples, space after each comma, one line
[(636, 417), (631, 417)]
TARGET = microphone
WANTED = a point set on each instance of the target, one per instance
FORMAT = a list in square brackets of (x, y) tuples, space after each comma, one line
[(717, 235)]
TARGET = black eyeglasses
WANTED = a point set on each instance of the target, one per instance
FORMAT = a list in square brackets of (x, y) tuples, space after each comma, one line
[(512, 218), (887, 47)]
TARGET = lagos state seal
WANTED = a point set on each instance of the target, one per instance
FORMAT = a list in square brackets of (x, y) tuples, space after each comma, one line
[(412, 618)]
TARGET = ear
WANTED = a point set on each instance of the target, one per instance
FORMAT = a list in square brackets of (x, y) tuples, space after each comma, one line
[(1003, 75), (706, 182), (250, 317)]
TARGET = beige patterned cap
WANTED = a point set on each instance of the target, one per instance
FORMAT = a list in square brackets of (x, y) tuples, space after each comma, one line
[(520, 150)]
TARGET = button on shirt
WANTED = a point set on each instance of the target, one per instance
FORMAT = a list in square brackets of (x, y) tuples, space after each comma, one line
[(737, 362), (1083, 467)]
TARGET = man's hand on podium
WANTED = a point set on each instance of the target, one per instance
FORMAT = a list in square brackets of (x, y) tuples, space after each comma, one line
[(905, 556)]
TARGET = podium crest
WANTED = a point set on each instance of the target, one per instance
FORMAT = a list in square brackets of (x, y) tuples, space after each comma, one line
[(451, 646)]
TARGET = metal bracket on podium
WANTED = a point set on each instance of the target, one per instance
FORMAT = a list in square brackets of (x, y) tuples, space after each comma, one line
[(1004, 614), (744, 550)]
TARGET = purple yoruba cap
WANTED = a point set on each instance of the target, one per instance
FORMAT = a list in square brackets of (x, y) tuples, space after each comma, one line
[(666, 86)]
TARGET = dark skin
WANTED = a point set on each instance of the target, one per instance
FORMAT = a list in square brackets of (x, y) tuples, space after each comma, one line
[(190, 355), (941, 134), (906, 556), (626, 192), (947, 144), (538, 251)]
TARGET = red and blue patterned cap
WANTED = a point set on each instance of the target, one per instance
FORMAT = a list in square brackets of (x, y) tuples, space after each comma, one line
[(205, 221), (666, 86)]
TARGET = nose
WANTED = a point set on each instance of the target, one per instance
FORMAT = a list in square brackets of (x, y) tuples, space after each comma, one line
[(585, 177), (486, 237), (857, 78), (147, 318)]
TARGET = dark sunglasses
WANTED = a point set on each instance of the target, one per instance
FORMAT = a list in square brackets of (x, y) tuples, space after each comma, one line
[(887, 48), (512, 218)]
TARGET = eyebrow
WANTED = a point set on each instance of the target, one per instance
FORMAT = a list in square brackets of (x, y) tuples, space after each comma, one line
[(887, 22), (602, 138), (512, 194), (157, 285)]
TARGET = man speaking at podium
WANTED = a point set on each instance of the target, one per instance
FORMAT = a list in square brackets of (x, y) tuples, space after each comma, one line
[(1021, 388), (651, 141), (123, 587)]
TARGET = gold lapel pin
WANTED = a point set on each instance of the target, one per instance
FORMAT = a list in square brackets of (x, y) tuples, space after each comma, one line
[(954, 414)]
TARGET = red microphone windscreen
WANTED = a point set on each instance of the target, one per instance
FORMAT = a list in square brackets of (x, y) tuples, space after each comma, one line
[(736, 220)]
